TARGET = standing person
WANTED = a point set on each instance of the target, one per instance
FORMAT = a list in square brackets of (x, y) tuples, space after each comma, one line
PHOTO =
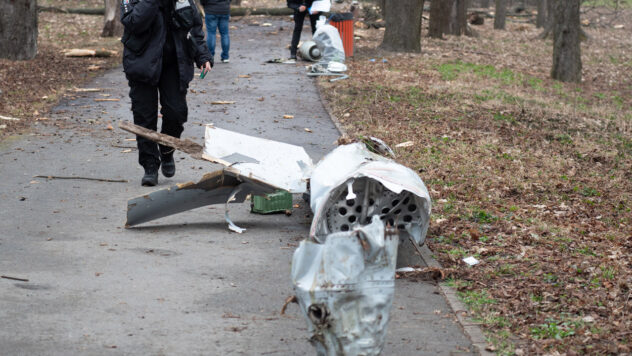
[(162, 38), (217, 15), (300, 10)]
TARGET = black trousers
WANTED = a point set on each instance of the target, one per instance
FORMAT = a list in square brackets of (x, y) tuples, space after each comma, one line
[(299, 18), (145, 108)]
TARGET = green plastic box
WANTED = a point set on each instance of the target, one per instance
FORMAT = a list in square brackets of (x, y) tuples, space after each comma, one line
[(277, 202)]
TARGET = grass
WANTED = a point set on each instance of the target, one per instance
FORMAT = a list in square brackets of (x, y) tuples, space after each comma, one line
[(556, 329), (530, 175)]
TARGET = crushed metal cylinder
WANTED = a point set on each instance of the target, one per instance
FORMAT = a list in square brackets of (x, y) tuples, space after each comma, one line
[(364, 206)]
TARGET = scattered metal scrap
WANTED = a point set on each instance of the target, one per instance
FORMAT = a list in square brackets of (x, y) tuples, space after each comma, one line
[(367, 210)]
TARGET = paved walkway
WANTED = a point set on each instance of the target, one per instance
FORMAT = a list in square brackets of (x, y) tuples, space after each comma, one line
[(182, 285)]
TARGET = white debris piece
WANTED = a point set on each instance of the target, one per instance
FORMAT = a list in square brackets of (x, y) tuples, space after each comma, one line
[(279, 164), (472, 261)]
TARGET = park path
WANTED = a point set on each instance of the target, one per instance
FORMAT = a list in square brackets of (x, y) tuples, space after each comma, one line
[(182, 285)]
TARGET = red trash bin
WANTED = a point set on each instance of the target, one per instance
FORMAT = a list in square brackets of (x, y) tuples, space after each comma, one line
[(344, 23)]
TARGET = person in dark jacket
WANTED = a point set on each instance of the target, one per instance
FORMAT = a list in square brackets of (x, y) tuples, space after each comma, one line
[(161, 40), (217, 16), (300, 10)]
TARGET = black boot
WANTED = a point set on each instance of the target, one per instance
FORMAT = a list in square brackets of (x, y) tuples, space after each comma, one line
[(168, 165), (150, 178)]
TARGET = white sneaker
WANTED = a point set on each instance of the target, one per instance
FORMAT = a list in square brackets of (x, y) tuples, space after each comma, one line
[(225, 60)]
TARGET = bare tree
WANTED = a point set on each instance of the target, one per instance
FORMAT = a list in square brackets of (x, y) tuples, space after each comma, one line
[(458, 23), (236, 2), (403, 25), (548, 25), (485, 3), (18, 29), (440, 13), (500, 14), (541, 19), (112, 25), (567, 63)]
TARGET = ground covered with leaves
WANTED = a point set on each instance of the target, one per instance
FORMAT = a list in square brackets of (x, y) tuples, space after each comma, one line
[(30, 88), (531, 176)]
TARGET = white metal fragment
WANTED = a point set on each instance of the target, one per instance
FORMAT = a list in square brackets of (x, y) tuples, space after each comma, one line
[(231, 224), (279, 164)]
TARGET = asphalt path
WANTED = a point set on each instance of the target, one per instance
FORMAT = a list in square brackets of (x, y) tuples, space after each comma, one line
[(185, 284)]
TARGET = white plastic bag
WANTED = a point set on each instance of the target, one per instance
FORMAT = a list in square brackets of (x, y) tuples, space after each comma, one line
[(328, 37)]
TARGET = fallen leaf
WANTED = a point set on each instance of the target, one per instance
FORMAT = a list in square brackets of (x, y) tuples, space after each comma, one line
[(307, 130), (288, 116), (107, 99), (220, 102), (244, 76), (109, 127)]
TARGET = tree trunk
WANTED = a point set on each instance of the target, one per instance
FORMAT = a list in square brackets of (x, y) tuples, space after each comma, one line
[(18, 29), (501, 14), (112, 26), (403, 26), (485, 4), (567, 62), (541, 19), (440, 11), (459, 20), (235, 2), (382, 6)]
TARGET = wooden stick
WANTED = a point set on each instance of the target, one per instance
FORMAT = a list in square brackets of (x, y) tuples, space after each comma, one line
[(9, 118), (187, 146), (85, 178), (15, 278)]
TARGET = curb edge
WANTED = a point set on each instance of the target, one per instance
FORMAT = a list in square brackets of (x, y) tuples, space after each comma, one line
[(471, 329)]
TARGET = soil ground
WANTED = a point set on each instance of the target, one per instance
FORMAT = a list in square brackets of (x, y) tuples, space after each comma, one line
[(530, 176)]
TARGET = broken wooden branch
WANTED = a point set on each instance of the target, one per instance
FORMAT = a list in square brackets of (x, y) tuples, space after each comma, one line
[(9, 118), (15, 278), (79, 52), (85, 178), (80, 11), (187, 146), (87, 90)]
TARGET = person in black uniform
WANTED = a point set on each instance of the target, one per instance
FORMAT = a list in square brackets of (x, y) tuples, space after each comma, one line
[(300, 10), (162, 38)]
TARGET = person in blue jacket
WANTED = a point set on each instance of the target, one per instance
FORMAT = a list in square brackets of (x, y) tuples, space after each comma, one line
[(162, 39), (217, 16), (300, 10)]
